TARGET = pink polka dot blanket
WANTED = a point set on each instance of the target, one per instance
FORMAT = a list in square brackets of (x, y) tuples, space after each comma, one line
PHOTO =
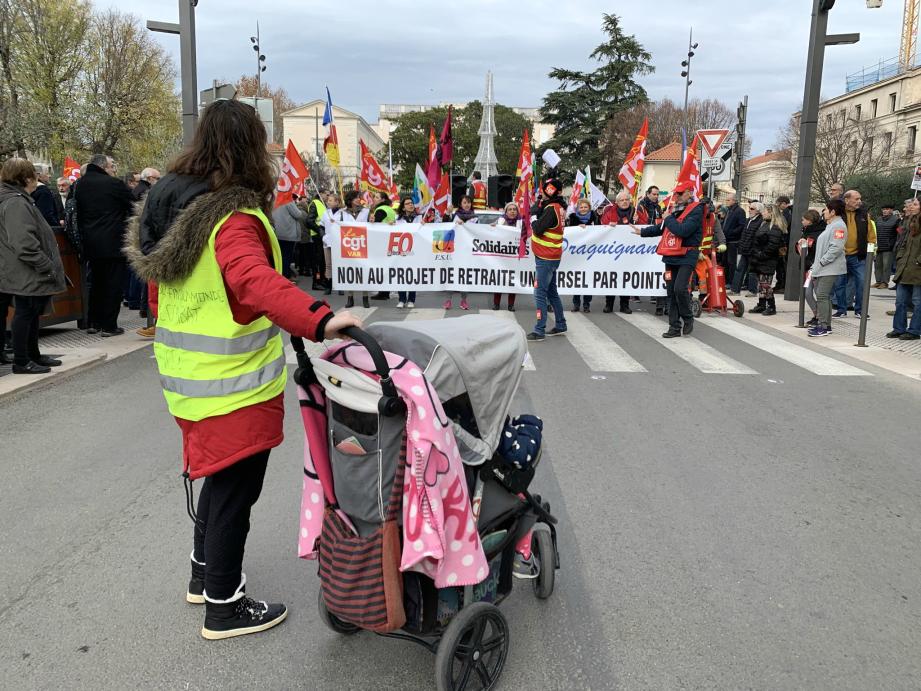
[(439, 535)]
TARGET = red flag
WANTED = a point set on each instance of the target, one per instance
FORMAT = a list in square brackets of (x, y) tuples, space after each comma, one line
[(525, 171), (293, 177), (690, 170), (432, 167), (71, 169), (446, 142), (631, 173), (443, 195), (372, 176)]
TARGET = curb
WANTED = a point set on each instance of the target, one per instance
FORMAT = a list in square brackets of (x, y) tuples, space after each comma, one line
[(37, 382)]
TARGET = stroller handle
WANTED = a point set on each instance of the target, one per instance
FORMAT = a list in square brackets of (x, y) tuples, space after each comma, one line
[(391, 404)]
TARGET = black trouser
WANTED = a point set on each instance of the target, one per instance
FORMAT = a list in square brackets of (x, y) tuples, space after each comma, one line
[(288, 254), (318, 260), (728, 261), (5, 301), (223, 522), (624, 302), (678, 291), (106, 292), (303, 258), (25, 328)]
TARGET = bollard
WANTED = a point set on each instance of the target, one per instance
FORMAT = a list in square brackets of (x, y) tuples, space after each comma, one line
[(865, 303), (803, 249)]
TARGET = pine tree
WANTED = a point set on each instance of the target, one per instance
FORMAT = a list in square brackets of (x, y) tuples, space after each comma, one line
[(586, 101)]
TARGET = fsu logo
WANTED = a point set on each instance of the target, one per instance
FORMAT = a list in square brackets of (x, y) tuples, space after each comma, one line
[(354, 242), (400, 245), (443, 241)]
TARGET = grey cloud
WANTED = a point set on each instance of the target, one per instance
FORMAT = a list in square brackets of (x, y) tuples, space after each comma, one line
[(408, 52)]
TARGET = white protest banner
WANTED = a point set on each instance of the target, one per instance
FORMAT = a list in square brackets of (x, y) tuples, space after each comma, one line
[(597, 260)]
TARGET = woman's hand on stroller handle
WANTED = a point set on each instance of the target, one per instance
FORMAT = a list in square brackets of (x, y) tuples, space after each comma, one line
[(340, 321)]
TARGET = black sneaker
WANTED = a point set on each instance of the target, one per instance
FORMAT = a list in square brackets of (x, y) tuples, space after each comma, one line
[(672, 333), (894, 334), (30, 368), (687, 327), (556, 331), (349, 302), (92, 330), (904, 337), (47, 361), (511, 308), (626, 310), (107, 333), (534, 336), (659, 311), (365, 303), (496, 306), (245, 615), (195, 594), (587, 309), (607, 309)]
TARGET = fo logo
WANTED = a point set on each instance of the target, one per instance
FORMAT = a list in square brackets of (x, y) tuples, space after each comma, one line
[(400, 245), (354, 242), (443, 241)]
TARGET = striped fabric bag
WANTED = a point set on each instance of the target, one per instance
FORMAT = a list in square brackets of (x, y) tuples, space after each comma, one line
[(360, 576)]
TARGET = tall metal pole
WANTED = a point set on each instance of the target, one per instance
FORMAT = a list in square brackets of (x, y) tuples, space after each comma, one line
[(188, 69), (258, 63), (687, 80), (808, 130), (185, 29), (740, 143)]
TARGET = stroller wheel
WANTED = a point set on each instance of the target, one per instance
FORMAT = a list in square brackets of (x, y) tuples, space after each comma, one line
[(696, 307), (542, 546), (738, 308), (472, 650), (333, 622)]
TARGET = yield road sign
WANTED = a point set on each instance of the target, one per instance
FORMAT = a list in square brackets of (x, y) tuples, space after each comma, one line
[(712, 140)]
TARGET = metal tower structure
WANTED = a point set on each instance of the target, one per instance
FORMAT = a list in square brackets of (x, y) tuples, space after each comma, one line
[(486, 162), (909, 48)]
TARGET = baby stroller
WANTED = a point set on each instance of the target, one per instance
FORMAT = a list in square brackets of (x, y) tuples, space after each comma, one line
[(383, 504)]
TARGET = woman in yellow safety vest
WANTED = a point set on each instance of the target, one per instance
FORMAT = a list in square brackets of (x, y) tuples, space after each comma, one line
[(205, 237)]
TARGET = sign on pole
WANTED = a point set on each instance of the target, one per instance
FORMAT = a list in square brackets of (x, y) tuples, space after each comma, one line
[(916, 180), (717, 154)]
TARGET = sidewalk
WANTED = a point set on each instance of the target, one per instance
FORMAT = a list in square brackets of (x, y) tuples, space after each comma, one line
[(901, 357), (77, 350)]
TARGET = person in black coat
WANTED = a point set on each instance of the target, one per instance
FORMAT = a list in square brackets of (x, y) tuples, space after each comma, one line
[(745, 247), (44, 198), (732, 229), (765, 256), (583, 216), (104, 204)]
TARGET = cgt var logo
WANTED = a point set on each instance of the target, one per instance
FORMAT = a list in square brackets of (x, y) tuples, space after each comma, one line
[(354, 242), (443, 241), (400, 245)]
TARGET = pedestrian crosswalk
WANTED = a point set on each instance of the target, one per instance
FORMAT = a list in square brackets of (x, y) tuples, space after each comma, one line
[(633, 344)]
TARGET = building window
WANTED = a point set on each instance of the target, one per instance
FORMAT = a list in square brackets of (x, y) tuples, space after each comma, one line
[(857, 112), (891, 103), (874, 104), (912, 137), (887, 145)]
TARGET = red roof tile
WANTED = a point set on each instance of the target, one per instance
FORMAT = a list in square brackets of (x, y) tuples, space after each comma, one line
[(767, 157), (669, 152)]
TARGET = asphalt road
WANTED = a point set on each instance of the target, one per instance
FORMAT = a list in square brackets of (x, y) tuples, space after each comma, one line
[(754, 529)]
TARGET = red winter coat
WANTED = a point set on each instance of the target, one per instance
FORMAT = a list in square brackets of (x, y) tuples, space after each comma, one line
[(255, 289)]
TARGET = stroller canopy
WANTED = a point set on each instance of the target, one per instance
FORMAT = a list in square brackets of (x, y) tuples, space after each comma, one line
[(477, 355)]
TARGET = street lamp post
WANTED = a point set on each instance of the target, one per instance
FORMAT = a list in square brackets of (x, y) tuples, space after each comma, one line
[(260, 60), (185, 29), (808, 127), (686, 73)]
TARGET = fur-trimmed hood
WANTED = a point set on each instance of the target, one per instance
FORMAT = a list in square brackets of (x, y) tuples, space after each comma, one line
[(174, 250)]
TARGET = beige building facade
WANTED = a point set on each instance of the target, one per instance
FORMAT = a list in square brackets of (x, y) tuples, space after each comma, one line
[(766, 177), (304, 126)]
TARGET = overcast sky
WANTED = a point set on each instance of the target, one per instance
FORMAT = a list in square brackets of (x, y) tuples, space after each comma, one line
[(428, 52)]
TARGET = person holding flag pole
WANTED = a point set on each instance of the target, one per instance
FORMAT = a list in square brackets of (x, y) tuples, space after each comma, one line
[(331, 143)]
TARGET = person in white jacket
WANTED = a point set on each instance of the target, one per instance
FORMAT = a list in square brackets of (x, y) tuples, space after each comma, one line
[(333, 203), (353, 212)]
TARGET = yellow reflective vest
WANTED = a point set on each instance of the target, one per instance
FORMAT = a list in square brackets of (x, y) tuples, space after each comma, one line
[(209, 364)]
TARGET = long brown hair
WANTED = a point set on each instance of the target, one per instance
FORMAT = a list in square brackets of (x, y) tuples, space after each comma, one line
[(229, 149)]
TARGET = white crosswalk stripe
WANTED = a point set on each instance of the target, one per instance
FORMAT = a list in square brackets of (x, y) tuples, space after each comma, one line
[(599, 351), (315, 349), (510, 316), (796, 355), (424, 314), (693, 351)]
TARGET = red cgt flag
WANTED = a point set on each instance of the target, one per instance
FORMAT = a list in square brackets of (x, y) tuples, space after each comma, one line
[(293, 177), (690, 170), (443, 195), (372, 177), (71, 169)]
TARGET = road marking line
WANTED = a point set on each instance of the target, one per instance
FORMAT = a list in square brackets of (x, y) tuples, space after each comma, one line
[(708, 360), (315, 349), (794, 354), (597, 349), (510, 316), (424, 314)]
